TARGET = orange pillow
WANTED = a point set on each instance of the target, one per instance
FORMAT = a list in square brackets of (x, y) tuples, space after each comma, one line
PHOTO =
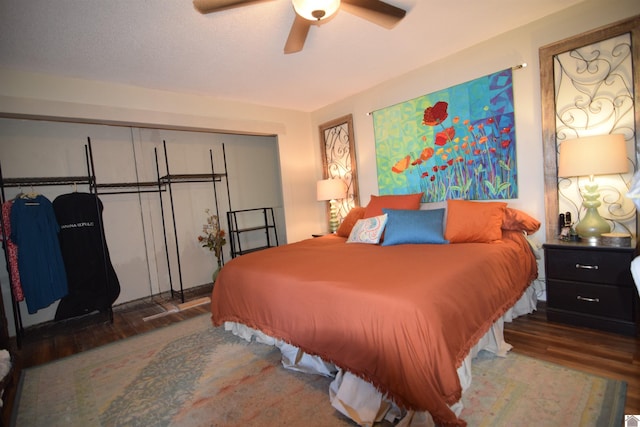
[(356, 213), (394, 201), (479, 222), (516, 220)]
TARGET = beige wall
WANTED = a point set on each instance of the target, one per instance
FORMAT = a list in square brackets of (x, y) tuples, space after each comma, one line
[(493, 55)]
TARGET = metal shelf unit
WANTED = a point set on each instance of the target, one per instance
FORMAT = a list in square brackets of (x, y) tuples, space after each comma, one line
[(268, 224)]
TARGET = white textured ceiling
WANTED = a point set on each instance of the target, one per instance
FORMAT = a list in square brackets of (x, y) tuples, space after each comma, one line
[(237, 54)]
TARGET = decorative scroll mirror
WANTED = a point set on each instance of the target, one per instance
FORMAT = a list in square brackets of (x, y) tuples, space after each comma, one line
[(339, 160), (589, 87)]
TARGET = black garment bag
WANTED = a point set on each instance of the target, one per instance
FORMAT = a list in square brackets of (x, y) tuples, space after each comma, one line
[(93, 284)]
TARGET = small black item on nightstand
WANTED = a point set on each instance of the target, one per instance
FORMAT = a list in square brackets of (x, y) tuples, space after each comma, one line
[(591, 286)]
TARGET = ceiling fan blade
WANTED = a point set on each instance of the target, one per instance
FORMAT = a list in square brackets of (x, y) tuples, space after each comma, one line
[(375, 11), (209, 6), (297, 35)]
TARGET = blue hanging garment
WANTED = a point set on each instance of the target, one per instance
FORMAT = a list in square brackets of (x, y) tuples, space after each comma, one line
[(34, 229)]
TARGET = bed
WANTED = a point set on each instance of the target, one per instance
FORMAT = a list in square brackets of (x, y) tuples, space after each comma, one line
[(394, 304)]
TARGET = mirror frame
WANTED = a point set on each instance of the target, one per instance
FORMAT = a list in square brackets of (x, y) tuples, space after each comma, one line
[(547, 89)]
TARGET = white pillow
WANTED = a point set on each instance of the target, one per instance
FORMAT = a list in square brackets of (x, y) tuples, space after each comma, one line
[(368, 230)]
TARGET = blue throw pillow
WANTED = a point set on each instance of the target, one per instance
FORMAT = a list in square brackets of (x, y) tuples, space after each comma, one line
[(411, 226)]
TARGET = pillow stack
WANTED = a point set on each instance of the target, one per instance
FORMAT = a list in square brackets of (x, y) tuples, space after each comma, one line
[(397, 219), (369, 228)]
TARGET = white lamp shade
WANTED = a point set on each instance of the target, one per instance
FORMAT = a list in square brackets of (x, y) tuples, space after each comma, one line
[(593, 155), (315, 10), (331, 189)]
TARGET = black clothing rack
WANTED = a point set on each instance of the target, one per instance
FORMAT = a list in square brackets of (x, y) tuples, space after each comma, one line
[(169, 180), (161, 185), (164, 183), (139, 187), (88, 179)]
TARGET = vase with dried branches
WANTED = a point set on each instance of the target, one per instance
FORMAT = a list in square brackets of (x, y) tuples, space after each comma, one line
[(213, 238)]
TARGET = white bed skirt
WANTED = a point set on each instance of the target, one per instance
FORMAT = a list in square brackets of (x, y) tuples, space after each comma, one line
[(360, 400)]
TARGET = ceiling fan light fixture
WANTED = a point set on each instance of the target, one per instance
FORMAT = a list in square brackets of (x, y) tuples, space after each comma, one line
[(316, 10)]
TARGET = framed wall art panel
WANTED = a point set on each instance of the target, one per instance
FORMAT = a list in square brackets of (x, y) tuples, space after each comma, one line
[(456, 143), (337, 145), (589, 88)]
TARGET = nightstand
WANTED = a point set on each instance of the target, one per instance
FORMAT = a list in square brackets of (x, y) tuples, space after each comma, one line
[(591, 286)]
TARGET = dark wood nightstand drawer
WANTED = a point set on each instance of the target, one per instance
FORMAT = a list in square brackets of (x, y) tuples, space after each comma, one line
[(591, 286), (597, 300), (589, 266)]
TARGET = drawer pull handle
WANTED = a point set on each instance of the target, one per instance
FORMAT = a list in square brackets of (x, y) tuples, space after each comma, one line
[(588, 299), (587, 267)]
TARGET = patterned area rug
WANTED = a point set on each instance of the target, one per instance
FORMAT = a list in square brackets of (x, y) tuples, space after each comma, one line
[(191, 374)]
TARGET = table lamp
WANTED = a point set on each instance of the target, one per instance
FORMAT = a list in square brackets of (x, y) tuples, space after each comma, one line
[(331, 189), (590, 156)]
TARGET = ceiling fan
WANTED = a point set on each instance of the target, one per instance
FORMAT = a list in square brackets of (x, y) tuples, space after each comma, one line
[(311, 12)]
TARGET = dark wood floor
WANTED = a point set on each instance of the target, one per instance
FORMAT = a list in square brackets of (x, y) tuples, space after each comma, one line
[(600, 353)]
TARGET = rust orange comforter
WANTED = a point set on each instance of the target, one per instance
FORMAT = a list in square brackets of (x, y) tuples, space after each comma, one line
[(401, 317)]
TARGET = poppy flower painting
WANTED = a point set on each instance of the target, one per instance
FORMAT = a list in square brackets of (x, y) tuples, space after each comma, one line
[(457, 143)]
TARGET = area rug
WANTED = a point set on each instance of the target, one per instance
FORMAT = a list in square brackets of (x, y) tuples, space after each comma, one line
[(192, 374)]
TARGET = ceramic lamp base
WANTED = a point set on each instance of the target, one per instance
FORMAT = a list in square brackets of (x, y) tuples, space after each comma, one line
[(333, 217), (592, 225)]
